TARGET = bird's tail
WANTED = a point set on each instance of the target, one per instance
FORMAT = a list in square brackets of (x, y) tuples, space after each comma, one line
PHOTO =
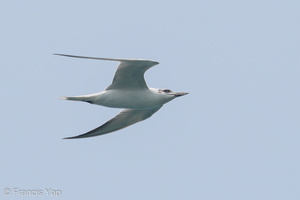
[(78, 98)]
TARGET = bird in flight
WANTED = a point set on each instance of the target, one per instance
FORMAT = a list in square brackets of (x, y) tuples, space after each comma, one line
[(128, 90)]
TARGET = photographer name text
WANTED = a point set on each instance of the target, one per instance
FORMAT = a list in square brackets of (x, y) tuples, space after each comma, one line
[(32, 192)]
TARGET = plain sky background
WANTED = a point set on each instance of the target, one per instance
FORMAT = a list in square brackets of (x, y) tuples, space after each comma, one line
[(235, 136)]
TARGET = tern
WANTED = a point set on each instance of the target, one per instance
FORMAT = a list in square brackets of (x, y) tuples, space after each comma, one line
[(129, 91)]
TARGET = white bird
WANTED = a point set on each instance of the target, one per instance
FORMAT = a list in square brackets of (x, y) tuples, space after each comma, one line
[(128, 90)]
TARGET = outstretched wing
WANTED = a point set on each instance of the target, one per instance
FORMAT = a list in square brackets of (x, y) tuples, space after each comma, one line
[(125, 118), (130, 73)]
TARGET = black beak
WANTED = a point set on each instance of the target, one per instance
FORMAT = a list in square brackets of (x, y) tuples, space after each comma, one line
[(179, 94)]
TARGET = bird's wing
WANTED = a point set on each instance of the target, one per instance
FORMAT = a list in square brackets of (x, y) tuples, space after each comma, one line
[(125, 118), (130, 73)]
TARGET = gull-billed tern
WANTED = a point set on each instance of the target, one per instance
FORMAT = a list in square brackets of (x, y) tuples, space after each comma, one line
[(129, 91)]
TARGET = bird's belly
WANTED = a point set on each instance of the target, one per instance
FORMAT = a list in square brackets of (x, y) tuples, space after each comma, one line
[(127, 99)]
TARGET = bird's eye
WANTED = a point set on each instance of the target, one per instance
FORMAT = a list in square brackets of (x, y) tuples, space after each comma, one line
[(167, 90)]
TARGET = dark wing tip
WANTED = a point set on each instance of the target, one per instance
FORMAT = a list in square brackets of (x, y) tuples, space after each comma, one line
[(70, 137), (59, 54), (78, 136), (85, 135), (67, 55)]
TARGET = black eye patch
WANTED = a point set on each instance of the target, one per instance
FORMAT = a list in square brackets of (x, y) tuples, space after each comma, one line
[(167, 90)]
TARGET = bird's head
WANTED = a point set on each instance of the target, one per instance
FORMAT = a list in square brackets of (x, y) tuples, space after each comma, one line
[(170, 93), (166, 95)]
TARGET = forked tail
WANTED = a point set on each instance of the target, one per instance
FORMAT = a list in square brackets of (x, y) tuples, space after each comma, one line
[(78, 98)]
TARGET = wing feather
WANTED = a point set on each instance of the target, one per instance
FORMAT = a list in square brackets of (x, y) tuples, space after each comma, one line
[(125, 118), (130, 72)]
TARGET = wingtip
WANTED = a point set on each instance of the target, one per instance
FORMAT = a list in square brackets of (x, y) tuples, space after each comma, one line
[(61, 54), (68, 138), (74, 137), (111, 59), (58, 54), (77, 137)]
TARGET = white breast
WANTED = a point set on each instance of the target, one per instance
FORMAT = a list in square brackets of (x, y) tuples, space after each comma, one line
[(134, 99)]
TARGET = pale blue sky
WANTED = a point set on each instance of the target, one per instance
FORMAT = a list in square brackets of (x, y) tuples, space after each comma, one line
[(235, 136)]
